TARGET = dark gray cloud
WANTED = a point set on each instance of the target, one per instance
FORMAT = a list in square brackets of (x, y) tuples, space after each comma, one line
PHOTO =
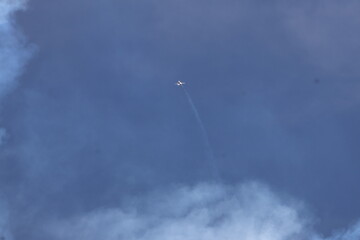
[(96, 116)]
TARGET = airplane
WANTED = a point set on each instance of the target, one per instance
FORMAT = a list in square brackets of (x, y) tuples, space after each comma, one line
[(180, 83)]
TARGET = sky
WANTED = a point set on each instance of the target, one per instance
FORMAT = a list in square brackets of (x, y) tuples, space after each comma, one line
[(97, 141)]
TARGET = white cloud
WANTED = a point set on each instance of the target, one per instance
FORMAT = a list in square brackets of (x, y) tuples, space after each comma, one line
[(13, 55), (204, 212), (13, 52)]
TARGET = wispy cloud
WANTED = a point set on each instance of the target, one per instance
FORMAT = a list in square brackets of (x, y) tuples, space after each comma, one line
[(13, 50), (13, 56)]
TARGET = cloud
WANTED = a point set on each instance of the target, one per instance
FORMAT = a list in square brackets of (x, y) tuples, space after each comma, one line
[(204, 212), (249, 211), (13, 50), (13, 55)]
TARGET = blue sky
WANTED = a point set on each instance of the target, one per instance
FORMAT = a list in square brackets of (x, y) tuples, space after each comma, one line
[(96, 139)]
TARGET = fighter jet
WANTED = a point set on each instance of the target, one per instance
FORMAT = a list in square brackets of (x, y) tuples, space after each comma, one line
[(180, 83)]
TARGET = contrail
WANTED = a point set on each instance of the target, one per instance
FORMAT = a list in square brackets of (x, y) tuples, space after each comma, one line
[(209, 151)]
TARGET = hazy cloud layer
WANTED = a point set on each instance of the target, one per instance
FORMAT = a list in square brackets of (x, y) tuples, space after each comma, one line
[(98, 117)]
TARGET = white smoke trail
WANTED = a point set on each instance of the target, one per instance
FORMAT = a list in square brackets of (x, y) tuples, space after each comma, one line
[(209, 150)]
